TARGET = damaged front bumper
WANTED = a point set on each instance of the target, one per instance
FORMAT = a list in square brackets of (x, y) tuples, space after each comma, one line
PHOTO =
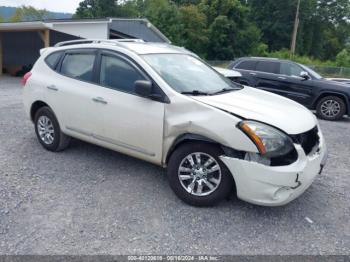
[(276, 185)]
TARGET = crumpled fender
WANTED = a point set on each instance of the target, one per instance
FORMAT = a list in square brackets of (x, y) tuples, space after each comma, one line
[(189, 116)]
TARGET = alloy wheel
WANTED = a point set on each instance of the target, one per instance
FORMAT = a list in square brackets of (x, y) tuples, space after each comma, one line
[(199, 174), (46, 130), (330, 108)]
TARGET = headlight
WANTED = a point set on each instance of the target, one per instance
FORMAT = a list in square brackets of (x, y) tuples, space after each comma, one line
[(270, 141)]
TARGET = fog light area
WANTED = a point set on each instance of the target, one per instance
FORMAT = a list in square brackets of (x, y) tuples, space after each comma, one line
[(253, 157)]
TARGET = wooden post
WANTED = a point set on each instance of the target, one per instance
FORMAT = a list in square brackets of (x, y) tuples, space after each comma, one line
[(1, 55), (295, 32), (45, 37)]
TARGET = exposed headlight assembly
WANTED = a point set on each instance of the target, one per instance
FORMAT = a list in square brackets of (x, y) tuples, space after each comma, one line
[(270, 141)]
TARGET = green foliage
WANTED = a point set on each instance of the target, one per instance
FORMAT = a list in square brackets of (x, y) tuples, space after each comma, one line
[(230, 32), (261, 50), (105, 8), (343, 58), (166, 16), (225, 29), (194, 34), (285, 54), (29, 13), (323, 25)]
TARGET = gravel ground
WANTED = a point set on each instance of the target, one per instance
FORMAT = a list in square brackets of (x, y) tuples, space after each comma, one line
[(89, 200)]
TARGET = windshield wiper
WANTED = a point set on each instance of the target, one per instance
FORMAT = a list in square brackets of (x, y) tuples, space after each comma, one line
[(224, 90), (195, 93)]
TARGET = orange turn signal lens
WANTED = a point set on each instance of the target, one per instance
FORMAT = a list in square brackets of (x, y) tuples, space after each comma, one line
[(257, 141)]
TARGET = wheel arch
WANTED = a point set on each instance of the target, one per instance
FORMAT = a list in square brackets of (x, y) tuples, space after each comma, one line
[(191, 137), (332, 93), (35, 107), (186, 138)]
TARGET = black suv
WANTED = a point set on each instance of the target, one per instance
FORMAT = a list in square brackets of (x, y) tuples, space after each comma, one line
[(330, 99)]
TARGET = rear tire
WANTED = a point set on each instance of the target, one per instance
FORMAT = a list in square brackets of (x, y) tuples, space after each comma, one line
[(331, 108), (48, 130), (195, 181)]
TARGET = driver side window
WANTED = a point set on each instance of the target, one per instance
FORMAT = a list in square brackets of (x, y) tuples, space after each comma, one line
[(289, 69), (118, 74)]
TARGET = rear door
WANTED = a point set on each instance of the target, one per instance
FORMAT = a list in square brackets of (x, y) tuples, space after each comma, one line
[(247, 69), (294, 86), (69, 93), (267, 76)]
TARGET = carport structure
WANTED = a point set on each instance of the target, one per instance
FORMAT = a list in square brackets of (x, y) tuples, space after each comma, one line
[(20, 42)]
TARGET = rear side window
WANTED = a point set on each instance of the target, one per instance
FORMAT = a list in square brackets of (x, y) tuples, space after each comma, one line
[(52, 60), (247, 65), (78, 65), (268, 67), (118, 74)]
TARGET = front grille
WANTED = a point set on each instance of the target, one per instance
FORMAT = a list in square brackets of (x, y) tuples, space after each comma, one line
[(307, 140)]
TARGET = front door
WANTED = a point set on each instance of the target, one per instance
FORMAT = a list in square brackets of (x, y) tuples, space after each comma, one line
[(297, 88), (127, 122)]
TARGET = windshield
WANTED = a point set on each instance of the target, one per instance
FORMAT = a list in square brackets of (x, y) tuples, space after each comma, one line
[(311, 72), (187, 74)]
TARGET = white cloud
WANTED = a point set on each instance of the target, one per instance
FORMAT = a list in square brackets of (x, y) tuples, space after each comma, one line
[(68, 6)]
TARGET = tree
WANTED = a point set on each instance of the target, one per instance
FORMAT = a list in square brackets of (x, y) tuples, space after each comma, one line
[(231, 34), (186, 2), (275, 20), (105, 8), (323, 29), (29, 13), (343, 58), (166, 16), (194, 34)]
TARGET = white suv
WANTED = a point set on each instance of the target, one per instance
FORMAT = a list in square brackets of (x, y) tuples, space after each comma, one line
[(162, 104)]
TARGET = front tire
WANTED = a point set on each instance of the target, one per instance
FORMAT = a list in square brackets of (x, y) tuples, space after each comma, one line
[(331, 108), (48, 130), (198, 176)]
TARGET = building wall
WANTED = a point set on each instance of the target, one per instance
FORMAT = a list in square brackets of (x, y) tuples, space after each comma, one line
[(21, 48), (56, 37), (83, 30)]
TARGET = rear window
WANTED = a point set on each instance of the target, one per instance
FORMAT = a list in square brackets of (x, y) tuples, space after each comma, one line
[(247, 65), (78, 65), (268, 67), (52, 59)]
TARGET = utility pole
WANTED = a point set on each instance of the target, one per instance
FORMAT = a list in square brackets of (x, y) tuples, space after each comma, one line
[(295, 32)]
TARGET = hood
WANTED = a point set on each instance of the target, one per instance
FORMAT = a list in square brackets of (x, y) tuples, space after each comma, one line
[(339, 82), (254, 104), (227, 72)]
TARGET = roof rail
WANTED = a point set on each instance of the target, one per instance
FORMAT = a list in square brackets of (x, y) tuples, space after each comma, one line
[(97, 41), (129, 40)]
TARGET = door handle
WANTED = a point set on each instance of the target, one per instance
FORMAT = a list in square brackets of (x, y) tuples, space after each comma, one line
[(99, 100), (52, 87), (253, 74), (281, 77)]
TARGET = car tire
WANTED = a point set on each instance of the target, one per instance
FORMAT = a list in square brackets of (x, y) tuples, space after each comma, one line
[(215, 185), (331, 108), (48, 130)]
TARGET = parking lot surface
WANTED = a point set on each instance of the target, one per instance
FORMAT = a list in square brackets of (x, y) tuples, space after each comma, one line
[(90, 200)]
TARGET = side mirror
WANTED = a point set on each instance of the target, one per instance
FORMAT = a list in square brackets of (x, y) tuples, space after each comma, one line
[(143, 88), (304, 75)]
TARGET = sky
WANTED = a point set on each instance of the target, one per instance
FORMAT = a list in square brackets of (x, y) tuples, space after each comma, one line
[(66, 6)]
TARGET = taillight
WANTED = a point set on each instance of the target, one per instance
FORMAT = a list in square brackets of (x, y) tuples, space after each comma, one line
[(25, 78)]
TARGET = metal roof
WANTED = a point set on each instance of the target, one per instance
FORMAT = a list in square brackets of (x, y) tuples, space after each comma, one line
[(140, 27)]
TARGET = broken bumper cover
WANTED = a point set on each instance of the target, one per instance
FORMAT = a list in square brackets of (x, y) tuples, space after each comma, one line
[(276, 185)]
